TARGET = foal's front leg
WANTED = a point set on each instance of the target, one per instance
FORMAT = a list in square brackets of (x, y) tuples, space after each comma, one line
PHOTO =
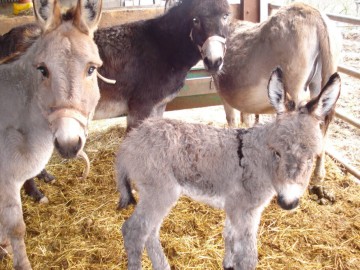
[(240, 239), (13, 226)]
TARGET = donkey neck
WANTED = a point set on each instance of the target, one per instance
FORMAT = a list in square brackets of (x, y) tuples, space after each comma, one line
[(255, 143), (18, 87), (172, 31)]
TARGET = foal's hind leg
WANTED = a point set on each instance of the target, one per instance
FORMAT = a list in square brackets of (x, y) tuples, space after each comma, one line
[(13, 226), (5, 247), (155, 251), (142, 227)]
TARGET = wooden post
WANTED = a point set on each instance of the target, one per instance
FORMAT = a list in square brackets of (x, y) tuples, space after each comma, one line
[(250, 10)]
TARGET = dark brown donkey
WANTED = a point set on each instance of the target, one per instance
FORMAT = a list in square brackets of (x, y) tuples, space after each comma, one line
[(150, 59)]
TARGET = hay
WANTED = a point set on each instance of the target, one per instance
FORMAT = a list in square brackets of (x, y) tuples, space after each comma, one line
[(79, 228)]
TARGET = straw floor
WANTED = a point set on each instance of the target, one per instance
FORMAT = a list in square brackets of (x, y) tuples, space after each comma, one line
[(79, 228)]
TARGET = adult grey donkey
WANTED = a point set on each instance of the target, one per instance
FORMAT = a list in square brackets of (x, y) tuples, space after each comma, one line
[(238, 170)]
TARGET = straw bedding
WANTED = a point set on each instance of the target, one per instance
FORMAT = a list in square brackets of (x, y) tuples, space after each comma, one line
[(79, 228)]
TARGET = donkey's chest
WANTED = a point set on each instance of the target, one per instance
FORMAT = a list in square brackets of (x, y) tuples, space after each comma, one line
[(24, 152)]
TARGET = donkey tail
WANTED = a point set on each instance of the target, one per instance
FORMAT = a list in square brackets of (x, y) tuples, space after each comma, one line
[(123, 185)]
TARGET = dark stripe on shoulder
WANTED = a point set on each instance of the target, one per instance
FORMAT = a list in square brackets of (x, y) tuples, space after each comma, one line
[(240, 134)]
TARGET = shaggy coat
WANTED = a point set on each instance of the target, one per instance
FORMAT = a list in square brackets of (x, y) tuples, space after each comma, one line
[(299, 39), (150, 59), (47, 97), (236, 170)]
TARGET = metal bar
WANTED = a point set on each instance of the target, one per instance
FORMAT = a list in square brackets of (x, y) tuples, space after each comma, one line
[(349, 71), (197, 101), (334, 17), (351, 120), (344, 18), (351, 169)]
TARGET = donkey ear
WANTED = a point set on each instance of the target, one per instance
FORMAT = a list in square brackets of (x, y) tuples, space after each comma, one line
[(47, 13), (276, 91), (87, 15), (323, 104)]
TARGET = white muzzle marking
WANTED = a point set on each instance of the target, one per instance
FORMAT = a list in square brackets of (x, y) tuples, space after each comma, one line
[(213, 48), (292, 192)]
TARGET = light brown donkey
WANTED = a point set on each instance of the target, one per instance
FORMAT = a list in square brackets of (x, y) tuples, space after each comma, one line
[(47, 98), (300, 40)]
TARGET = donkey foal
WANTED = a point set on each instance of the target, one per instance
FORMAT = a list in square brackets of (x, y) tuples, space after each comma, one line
[(238, 170)]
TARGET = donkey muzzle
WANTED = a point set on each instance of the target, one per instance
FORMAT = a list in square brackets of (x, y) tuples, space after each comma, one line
[(69, 128), (287, 205), (213, 52)]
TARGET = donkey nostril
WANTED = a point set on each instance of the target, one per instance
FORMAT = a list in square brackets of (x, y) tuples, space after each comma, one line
[(56, 143), (78, 146), (206, 62), (218, 63), (68, 150), (213, 65), (287, 205)]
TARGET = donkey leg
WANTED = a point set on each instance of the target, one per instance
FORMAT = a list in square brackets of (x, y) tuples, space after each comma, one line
[(320, 171), (242, 231), (47, 177), (5, 247), (228, 262), (147, 217), (11, 217), (248, 119), (163, 206), (229, 113), (32, 191), (155, 251), (315, 88)]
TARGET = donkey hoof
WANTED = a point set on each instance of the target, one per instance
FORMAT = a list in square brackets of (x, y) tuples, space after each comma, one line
[(44, 200), (5, 251), (23, 266), (47, 177)]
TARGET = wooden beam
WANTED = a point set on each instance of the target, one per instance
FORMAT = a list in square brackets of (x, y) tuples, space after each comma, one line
[(197, 101)]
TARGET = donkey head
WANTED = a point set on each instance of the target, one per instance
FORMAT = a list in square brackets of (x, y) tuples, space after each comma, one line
[(66, 60), (209, 30), (296, 137)]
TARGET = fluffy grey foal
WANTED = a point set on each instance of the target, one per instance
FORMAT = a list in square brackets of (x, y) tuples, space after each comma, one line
[(237, 170)]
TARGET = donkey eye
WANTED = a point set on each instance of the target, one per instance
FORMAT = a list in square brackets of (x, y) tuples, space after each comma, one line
[(226, 16), (44, 71), (196, 21), (277, 155), (91, 70)]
